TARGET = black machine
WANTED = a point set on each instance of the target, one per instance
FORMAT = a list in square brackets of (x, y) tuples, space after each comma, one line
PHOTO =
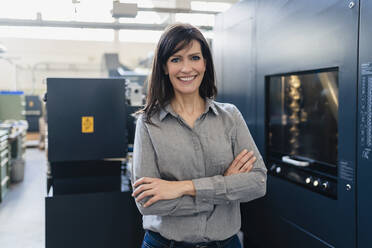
[(300, 72), (33, 112), (88, 145), (86, 126)]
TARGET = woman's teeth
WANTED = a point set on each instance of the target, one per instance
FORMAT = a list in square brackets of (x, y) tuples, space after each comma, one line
[(185, 79)]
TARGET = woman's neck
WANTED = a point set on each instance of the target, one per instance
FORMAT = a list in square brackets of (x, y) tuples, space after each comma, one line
[(188, 104)]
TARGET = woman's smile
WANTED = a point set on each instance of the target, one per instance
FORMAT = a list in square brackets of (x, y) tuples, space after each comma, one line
[(187, 79)]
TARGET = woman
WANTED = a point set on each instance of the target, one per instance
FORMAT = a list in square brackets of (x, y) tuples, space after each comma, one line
[(194, 159)]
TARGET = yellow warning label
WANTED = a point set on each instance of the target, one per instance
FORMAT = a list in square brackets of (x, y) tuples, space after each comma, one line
[(87, 124)]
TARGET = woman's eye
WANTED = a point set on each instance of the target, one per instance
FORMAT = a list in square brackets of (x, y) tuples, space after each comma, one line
[(175, 60), (195, 57)]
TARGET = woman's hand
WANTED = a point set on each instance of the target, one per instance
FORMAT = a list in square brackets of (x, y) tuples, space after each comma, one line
[(241, 164), (158, 189)]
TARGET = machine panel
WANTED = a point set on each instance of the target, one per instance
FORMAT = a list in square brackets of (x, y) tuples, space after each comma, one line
[(292, 38), (86, 119), (364, 171)]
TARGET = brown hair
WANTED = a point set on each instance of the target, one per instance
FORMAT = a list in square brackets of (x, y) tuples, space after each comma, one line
[(160, 90)]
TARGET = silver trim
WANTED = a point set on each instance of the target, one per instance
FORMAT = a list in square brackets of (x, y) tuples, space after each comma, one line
[(291, 161)]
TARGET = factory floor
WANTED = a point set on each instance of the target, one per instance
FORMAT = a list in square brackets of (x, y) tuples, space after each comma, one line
[(22, 213)]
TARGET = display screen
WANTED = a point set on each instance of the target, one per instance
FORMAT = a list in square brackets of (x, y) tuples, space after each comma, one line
[(302, 115)]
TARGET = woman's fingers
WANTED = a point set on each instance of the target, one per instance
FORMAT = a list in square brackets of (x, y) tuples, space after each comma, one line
[(142, 180), (140, 189), (151, 201), (241, 162), (238, 158), (144, 194), (244, 160), (248, 165)]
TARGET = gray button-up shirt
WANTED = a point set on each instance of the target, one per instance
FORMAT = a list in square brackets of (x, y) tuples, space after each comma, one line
[(174, 151)]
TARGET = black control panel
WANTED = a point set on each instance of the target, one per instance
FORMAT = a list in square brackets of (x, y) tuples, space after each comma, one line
[(310, 179)]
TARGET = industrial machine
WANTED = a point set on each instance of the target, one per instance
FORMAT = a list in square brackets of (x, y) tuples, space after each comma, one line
[(300, 72), (4, 162), (33, 112), (87, 150), (12, 105), (17, 141), (115, 69), (12, 151), (12, 114), (134, 92)]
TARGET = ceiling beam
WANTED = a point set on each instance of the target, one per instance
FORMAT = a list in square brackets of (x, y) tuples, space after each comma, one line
[(76, 24), (169, 10)]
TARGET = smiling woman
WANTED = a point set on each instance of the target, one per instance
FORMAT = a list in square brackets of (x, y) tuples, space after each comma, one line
[(182, 51), (194, 159), (186, 69)]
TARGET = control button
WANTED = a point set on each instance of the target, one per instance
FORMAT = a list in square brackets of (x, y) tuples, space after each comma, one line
[(308, 180), (316, 183), (278, 169), (325, 185), (348, 187)]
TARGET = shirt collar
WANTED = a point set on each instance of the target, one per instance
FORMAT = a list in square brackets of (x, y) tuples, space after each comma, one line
[(167, 109)]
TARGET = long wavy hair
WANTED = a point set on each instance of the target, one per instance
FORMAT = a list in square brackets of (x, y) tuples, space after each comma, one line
[(160, 90)]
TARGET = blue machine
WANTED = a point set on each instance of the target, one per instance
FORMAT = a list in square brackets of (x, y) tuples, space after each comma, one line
[(301, 73)]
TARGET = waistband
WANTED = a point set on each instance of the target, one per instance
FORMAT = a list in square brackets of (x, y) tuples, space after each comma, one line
[(175, 244)]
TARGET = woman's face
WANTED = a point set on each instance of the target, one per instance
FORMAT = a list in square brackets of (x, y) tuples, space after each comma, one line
[(186, 69)]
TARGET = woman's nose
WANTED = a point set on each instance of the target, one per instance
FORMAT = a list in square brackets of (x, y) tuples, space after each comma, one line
[(186, 67)]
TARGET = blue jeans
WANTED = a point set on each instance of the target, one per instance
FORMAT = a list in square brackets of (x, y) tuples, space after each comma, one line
[(155, 240)]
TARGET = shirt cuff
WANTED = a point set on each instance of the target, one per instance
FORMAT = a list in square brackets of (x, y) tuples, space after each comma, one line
[(209, 187)]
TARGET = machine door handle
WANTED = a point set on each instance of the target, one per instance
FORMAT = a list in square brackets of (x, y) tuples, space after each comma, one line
[(292, 161)]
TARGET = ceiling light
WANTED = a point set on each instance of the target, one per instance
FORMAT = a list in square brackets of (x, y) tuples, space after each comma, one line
[(124, 9)]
